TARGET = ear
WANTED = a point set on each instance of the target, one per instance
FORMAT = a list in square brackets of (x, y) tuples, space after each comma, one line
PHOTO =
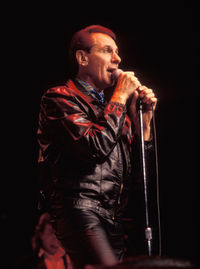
[(81, 57)]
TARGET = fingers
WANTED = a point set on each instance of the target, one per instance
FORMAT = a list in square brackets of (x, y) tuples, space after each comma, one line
[(133, 79), (147, 95), (129, 85), (130, 79), (126, 86)]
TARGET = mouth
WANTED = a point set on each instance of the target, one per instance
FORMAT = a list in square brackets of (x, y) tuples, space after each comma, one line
[(111, 70)]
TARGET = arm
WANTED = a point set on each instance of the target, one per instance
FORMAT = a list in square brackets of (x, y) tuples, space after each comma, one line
[(67, 122), (129, 87), (149, 100)]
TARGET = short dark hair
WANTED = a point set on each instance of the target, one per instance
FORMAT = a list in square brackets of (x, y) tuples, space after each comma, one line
[(81, 40)]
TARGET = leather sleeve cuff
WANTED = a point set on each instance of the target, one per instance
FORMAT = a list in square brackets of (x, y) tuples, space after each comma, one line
[(148, 145)]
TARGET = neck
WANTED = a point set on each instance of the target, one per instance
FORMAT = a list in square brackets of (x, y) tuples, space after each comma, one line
[(87, 79)]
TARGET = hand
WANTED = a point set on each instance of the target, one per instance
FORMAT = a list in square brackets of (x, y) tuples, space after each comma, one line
[(126, 85), (149, 101), (148, 98)]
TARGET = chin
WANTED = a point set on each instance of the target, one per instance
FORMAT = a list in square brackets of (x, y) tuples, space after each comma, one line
[(107, 84), (110, 85)]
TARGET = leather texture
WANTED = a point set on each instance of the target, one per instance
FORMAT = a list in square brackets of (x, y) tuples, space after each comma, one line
[(85, 150), (86, 157)]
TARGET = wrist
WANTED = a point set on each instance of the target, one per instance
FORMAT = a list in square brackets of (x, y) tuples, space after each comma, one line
[(147, 133), (119, 98)]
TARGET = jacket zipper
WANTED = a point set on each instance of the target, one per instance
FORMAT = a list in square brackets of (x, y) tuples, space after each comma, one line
[(119, 197)]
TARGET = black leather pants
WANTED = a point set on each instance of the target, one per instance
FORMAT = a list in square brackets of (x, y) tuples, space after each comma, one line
[(89, 238)]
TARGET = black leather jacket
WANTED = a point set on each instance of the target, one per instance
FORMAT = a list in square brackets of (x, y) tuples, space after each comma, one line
[(85, 150)]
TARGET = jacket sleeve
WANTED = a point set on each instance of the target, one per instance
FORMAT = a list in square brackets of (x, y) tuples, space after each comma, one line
[(68, 122)]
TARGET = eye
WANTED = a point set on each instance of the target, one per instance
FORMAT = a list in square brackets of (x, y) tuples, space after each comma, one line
[(108, 49)]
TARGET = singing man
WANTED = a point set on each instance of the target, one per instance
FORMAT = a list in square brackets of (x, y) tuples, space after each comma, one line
[(87, 146)]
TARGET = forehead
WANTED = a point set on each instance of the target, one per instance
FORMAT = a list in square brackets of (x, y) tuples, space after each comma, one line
[(101, 40)]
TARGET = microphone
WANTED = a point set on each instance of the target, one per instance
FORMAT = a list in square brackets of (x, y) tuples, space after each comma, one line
[(116, 74)]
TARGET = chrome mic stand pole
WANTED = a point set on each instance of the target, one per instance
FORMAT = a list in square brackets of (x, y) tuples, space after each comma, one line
[(148, 230)]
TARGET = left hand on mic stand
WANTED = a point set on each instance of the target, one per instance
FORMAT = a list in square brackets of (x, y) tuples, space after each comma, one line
[(149, 102)]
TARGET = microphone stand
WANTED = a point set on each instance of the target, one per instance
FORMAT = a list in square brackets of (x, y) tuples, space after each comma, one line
[(148, 229)]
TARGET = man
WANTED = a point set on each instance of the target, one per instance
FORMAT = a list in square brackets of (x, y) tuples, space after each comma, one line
[(87, 146)]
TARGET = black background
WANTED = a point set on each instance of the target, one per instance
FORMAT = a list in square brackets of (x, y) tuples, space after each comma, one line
[(159, 43)]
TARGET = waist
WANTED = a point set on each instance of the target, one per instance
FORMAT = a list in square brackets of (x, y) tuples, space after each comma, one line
[(114, 213)]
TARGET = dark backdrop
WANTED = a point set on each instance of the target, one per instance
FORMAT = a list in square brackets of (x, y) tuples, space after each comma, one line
[(159, 43)]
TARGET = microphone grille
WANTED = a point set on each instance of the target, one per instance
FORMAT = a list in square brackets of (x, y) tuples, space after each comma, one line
[(116, 74)]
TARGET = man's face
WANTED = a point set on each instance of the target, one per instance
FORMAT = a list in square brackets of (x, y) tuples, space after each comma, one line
[(103, 59)]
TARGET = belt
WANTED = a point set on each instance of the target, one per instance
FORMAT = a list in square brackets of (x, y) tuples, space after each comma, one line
[(96, 206)]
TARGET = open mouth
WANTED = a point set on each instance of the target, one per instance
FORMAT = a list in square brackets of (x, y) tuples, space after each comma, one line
[(111, 70)]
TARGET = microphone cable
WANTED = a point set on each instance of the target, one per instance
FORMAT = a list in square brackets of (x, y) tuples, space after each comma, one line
[(157, 182)]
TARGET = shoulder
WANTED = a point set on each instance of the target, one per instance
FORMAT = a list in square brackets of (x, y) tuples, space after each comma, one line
[(67, 89), (69, 92)]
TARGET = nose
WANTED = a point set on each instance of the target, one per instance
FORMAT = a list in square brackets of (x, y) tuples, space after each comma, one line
[(115, 58)]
